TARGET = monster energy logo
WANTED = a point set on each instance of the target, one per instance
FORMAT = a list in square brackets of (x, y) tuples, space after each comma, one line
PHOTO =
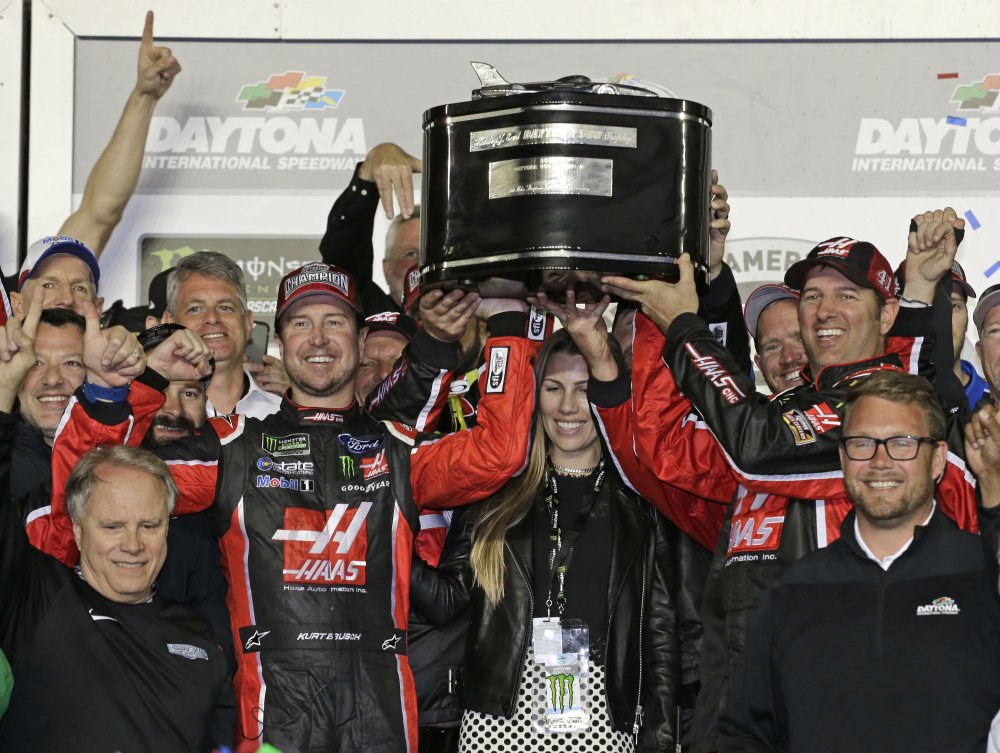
[(347, 468), (294, 444), (561, 687)]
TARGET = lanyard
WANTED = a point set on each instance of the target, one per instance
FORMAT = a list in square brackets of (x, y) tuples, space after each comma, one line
[(561, 547)]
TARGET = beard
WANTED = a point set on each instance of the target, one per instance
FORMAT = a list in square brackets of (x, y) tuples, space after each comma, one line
[(884, 510), (331, 381), (169, 423)]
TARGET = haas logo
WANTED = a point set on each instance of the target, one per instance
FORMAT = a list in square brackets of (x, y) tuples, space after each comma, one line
[(325, 546), (497, 377), (835, 247)]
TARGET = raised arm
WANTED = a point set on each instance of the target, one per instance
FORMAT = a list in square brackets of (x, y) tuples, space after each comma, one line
[(116, 173), (697, 514), (416, 389), (115, 405), (471, 464)]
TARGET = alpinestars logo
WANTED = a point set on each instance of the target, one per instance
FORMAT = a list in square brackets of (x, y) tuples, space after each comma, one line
[(291, 91), (561, 689), (716, 373), (940, 605), (325, 546)]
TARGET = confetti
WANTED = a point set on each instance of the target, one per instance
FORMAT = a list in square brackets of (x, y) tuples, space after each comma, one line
[(973, 220), (952, 120), (947, 75), (991, 270)]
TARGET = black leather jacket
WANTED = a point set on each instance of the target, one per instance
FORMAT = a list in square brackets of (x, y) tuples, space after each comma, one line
[(642, 663)]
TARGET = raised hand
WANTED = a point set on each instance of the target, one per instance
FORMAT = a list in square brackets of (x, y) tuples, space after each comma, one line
[(270, 375), (391, 169), (930, 251), (113, 356), (982, 452), (719, 224), (661, 301), (157, 65), (585, 324), (17, 350), (445, 316), (182, 357)]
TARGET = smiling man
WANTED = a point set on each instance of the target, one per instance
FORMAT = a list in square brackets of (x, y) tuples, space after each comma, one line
[(782, 451), (317, 505), (53, 378), (901, 593), (206, 293), (165, 683)]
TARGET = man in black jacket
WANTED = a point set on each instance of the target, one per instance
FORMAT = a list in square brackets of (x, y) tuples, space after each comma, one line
[(898, 615), (102, 662)]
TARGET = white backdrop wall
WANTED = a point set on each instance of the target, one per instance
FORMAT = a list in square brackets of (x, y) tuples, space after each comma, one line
[(791, 120)]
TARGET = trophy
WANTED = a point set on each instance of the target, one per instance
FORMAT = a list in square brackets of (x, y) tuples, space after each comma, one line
[(549, 185)]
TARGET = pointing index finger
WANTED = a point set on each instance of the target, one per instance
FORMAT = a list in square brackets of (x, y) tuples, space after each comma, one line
[(30, 323), (147, 31)]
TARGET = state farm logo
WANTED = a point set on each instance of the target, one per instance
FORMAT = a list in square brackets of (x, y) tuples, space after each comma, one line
[(325, 546), (288, 467), (717, 374), (374, 466), (497, 377)]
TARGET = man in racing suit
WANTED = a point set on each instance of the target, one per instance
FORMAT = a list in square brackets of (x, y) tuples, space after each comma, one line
[(791, 439), (316, 515)]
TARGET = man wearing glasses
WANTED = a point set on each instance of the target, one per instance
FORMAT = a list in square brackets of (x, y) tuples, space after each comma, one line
[(886, 639)]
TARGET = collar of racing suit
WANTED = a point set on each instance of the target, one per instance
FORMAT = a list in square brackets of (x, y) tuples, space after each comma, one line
[(305, 415), (834, 376)]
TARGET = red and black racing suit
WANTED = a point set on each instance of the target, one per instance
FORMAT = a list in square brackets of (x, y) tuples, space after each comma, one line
[(317, 517), (774, 462)]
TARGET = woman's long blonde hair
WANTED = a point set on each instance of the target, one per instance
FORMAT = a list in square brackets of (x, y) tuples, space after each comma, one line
[(508, 507)]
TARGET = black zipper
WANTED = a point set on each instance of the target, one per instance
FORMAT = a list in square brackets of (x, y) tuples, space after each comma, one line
[(531, 613), (879, 614), (638, 693)]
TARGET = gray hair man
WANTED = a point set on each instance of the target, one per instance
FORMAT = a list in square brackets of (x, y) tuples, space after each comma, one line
[(165, 683)]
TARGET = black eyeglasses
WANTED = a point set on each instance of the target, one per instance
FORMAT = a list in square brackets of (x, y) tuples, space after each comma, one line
[(904, 447)]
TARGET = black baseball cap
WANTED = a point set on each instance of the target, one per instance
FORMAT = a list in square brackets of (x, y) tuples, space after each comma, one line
[(858, 261)]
